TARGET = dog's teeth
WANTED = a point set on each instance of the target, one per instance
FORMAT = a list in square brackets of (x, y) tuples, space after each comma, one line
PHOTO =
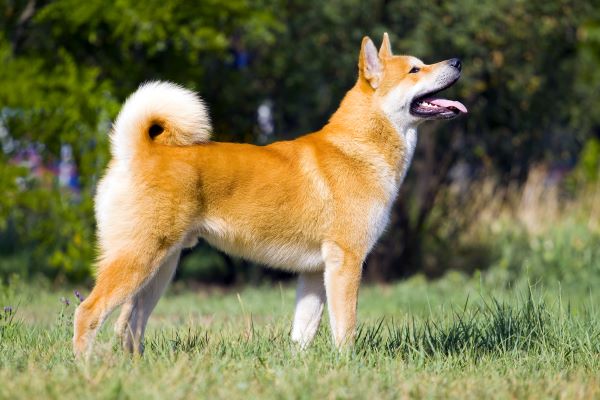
[(427, 104)]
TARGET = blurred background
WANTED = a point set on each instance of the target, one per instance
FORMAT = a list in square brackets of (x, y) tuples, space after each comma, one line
[(510, 191)]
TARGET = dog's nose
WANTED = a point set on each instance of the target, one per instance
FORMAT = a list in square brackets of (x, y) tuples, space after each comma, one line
[(455, 62)]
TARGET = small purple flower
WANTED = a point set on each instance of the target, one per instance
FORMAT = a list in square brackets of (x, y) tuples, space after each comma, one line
[(8, 309), (65, 301), (79, 296)]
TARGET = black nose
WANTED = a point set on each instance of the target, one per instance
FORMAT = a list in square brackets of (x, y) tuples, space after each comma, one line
[(455, 62)]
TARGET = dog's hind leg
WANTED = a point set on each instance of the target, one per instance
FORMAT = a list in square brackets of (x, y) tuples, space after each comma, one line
[(123, 321), (131, 325), (310, 299), (119, 279)]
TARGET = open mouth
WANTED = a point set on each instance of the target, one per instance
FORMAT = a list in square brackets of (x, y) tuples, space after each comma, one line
[(429, 106)]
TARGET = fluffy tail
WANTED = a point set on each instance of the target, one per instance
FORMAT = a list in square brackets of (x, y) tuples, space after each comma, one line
[(159, 112)]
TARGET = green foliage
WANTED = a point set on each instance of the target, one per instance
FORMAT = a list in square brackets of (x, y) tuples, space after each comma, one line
[(530, 81), (568, 253), (588, 167), (204, 264), (52, 101), (587, 68), (8, 182), (66, 68), (520, 70)]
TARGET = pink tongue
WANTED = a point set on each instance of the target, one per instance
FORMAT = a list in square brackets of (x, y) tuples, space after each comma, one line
[(448, 103)]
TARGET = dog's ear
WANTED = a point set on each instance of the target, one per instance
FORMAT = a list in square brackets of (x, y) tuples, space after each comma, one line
[(386, 49), (369, 65)]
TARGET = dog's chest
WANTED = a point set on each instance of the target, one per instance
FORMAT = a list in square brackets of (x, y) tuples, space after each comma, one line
[(379, 217), (380, 209), (409, 137)]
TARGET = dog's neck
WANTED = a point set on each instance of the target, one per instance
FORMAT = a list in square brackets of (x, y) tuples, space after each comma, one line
[(358, 123)]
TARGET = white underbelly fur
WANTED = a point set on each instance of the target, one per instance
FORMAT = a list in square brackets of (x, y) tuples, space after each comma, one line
[(291, 256)]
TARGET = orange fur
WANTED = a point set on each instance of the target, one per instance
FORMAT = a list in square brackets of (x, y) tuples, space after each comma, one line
[(315, 204)]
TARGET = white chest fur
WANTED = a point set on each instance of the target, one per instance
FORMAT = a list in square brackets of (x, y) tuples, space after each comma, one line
[(409, 136), (237, 240), (379, 213)]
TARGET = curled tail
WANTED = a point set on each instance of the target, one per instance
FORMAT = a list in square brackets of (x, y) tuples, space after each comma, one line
[(159, 112)]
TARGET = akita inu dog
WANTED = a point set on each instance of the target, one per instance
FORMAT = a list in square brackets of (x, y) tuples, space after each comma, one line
[(315, 205)]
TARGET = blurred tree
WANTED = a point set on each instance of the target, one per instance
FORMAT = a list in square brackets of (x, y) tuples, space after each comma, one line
[(67, 65), (524, 91)]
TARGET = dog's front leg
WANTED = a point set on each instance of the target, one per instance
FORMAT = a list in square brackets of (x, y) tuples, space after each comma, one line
[(310, 298), (342, 278)]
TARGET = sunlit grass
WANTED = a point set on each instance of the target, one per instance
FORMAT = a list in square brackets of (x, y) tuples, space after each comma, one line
[(455, 337)]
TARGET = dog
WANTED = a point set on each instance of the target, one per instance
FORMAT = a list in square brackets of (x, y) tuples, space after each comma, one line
[(315, 205)]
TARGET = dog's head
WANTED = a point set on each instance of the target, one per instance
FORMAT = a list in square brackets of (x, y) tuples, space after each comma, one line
[(404, 87)]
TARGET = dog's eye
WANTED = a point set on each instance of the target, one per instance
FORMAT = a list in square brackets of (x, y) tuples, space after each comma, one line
[(414, 70)]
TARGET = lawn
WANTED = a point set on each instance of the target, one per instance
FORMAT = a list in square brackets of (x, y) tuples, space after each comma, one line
[(456, 337)]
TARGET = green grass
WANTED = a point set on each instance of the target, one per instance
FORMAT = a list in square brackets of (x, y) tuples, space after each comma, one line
[(452, 338)]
